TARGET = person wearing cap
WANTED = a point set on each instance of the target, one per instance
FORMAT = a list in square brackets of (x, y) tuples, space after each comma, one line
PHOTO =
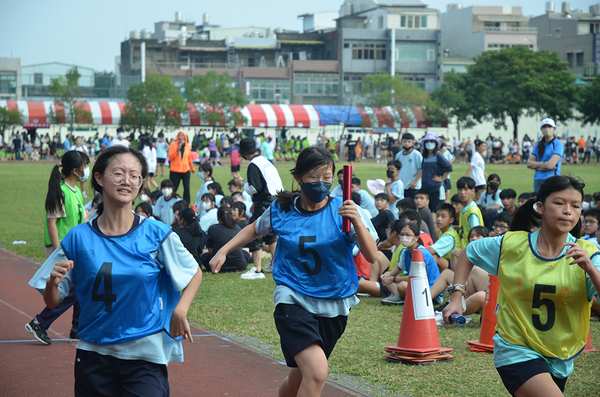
[(267, 148), (435, 170), (546, 155), (411, 160), (263, 184)]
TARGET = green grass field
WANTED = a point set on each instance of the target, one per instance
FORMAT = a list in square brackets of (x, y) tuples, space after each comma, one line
[(243, 309)]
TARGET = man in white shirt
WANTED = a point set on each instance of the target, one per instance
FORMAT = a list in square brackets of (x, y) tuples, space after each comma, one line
[(476, 170), (120, 139)]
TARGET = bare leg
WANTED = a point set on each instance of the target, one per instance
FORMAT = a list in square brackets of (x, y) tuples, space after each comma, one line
[(475, 303), (477, 280), (379, 266), (442, 283), (370, 287), (540, 385), (402, 288), (310, 376), (257, 256), (595, 305)]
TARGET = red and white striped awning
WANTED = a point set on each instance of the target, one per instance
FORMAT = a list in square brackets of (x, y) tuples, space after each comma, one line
[(387, 117), (281, 116), (36, 112)]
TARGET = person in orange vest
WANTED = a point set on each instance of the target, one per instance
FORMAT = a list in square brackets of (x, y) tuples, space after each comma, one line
[(182, 165)]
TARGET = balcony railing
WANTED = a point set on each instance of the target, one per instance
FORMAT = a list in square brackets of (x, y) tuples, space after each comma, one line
[(513, 29)]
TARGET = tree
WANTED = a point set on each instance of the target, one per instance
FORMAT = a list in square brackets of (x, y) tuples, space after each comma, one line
[(589, 103), (221, 103), (380, 90), (66, 93), (449, 101), (517, 81), (10, 118), (153, 102)]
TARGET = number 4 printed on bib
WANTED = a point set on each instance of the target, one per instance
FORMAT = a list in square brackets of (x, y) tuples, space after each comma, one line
[(421, 296), (105, 273)]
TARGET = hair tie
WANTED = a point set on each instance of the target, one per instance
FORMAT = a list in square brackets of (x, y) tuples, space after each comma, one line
[(59, 164)]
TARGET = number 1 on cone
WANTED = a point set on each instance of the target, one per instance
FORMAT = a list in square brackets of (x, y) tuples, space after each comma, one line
[(421, 296)]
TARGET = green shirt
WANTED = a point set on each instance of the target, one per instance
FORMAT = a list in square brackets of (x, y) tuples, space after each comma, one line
[(73, 214)]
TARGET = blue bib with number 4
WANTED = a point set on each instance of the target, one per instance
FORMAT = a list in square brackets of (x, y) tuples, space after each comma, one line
[(124, 293), (313, 255)]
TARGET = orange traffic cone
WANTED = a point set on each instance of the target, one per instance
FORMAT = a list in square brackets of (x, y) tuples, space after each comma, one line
[(485, 344), (418, 340), (589, 346)]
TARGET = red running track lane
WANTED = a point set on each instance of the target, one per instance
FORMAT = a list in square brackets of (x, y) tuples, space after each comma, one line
[(214, 366)]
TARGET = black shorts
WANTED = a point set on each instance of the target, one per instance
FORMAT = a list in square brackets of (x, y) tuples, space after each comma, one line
[(151, 174), (235, 168), (299, 329), (98, 376), (160, 161), (351, 156), (213, 155), (479, 187), (515, 375), (257, 245)]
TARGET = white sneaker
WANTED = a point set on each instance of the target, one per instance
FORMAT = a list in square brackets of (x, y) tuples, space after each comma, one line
[(252, 274)]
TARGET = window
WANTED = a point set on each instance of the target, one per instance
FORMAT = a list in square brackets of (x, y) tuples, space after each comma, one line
[(415, 52), (570, 59), (346, 45), (316, 84), (413, 21), (264, 91), (38, 78), (369, 51), (8, 84), (579, 59)]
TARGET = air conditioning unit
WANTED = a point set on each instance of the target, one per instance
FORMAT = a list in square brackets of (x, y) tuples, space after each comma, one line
[(277, 98)]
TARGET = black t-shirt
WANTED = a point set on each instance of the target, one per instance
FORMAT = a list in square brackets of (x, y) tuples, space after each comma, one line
[(395, 150), (218, 236), (381, 222), (351, 145), (194, 244)]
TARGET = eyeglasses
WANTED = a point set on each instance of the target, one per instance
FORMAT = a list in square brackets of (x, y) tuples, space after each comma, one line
[(589, 222), (500, 227), (118, 178)]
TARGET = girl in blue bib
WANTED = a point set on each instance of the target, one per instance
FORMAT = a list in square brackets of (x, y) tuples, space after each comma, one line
[(547, 278), (313, 267)]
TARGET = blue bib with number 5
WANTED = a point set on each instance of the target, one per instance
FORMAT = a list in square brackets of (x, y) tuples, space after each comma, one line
[(313, 255)]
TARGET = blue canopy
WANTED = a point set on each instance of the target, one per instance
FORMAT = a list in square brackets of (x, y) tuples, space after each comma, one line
[(336, 115)]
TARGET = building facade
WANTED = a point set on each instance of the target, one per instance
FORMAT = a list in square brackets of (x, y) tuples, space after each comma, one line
[(10, 78), (467, 32), (573, 35)]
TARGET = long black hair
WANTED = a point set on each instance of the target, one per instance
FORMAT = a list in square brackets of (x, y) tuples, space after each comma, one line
[(225, 217), (106, 157), (308, 159), (71, 160), (526, 217), (188, 216), (216, 186)]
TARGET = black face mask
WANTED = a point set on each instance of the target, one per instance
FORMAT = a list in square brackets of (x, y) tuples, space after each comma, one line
[(408, 149), (390, 173), (494, 185), (341, 181)]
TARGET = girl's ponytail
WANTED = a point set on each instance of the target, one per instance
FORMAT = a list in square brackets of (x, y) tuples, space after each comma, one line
[(225, 215), (54, 198), (525, 218)]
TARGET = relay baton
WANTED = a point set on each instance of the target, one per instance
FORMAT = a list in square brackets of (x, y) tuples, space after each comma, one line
[(347, 194), (456, 319)]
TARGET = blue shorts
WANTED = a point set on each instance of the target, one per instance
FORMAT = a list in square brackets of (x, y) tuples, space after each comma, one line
[(107, 376)]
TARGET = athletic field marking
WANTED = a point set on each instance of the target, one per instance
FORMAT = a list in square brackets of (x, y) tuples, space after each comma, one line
[(27, 316), (66, 339)]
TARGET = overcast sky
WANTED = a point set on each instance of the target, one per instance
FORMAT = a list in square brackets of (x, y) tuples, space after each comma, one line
[(89, 33)]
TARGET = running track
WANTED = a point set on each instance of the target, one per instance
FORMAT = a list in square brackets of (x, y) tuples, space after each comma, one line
[(214, 365)]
